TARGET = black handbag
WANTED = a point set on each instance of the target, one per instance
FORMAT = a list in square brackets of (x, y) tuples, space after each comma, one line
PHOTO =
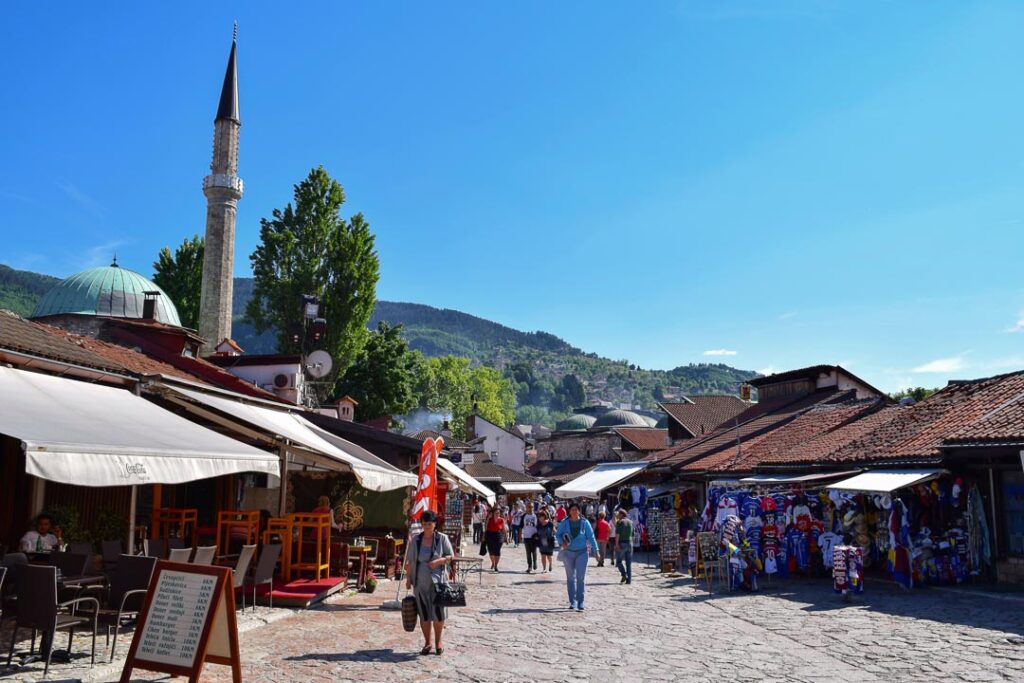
[(450, 594), (483, 548)]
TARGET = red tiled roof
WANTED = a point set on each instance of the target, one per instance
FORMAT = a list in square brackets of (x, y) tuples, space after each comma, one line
[(492, 470), (780, 442), (821, 448), (757, 419), (977, 409), (703, 413), (24, 336), (643, 438)]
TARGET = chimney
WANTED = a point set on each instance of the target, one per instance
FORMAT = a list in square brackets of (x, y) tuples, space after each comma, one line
[(446, 430), (471, 427), (149, 305), (346, 408)]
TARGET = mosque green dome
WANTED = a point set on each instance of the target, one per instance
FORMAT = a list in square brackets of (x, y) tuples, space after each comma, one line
[(620, 418), (108, 291), (576, 422)]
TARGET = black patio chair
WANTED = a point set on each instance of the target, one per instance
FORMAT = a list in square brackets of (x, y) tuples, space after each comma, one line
[(86, 549), (123, 597), (38, 609), (264, 571), (241, 570), (12, 562), (70, 566), (111, 551), (155, 547)]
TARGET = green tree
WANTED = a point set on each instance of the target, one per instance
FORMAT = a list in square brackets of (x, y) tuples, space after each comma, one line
[(448, 384), (310, 249), (383, 377), (916, 393), (181, 277), (570, 393)]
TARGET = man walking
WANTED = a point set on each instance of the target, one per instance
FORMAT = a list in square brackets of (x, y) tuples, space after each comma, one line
[(530, 538), (624, 535)]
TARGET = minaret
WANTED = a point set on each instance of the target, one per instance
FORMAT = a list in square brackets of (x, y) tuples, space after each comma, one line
[(223, 189)]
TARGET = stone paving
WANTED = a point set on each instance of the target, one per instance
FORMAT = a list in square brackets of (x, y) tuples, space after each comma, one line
[(518, 627)]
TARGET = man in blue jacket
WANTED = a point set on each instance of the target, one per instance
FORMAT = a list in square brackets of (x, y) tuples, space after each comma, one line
[(577, 539)]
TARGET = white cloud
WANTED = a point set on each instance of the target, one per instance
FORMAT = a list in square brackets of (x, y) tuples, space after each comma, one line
[(951, 364), (719, 352), (1017, 326), (101, 254), (770, 370), (91, 206), (787, 315)]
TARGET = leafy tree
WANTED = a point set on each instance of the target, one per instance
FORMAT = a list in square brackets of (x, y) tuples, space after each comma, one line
[(916, 393), (383, 377), (310, 249), (181, 277), (570, 393), (448, 384)]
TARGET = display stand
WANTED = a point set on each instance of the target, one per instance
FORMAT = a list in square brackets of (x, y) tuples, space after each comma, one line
[(283, 529), (708, 562), (187, 620), (180, 521), (313, 528), (231, 520)]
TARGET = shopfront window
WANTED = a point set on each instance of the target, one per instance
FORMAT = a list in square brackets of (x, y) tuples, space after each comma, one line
[(1013, 503)]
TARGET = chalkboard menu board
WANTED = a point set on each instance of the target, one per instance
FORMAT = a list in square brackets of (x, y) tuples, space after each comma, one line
[(188, 619)]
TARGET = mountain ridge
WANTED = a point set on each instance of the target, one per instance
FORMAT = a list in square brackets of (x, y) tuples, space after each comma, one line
[(442, 331)]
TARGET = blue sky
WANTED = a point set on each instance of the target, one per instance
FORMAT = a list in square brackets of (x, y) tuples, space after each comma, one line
[(768, 184)]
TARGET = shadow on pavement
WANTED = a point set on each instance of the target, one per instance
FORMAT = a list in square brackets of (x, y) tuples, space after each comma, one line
[(527, 610), (358, 656)]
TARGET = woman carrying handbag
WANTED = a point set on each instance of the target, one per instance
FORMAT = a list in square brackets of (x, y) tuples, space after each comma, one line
[(426, 565)]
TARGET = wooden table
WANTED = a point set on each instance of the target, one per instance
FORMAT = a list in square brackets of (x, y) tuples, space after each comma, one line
[(364, 555)]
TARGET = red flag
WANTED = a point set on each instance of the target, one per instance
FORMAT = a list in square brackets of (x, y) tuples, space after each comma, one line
[(426, 487)]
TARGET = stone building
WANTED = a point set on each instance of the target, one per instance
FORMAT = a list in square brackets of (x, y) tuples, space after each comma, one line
[(614, 436), (223, 188)]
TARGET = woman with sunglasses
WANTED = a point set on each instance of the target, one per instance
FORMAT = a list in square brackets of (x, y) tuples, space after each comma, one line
[(426, 564)]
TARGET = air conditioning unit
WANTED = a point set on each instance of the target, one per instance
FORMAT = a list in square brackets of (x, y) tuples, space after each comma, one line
[(285, 380)]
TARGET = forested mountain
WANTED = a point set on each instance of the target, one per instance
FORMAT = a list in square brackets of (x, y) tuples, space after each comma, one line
[(538, 361)]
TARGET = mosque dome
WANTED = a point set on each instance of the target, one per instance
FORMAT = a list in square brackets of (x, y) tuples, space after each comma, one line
[(651, 422), (576, 422), (620, 418), (108, 291)]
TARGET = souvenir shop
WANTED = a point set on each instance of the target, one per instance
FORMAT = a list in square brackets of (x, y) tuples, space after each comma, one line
[(673, 512), (457, 490), (915, 527)]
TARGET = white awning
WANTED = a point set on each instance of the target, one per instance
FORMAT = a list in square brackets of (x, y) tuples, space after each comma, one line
[(465, 481), (885, 481), (522, 487), (307, 442), (794, 478), (93, 435), (602, 477)]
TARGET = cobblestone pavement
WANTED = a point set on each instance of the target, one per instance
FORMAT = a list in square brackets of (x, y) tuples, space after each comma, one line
[(518, 627)]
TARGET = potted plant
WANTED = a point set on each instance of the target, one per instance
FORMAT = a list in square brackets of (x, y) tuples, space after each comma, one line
[(371, 582)]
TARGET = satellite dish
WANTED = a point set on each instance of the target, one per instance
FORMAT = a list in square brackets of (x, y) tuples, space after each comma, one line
[(319, 363)]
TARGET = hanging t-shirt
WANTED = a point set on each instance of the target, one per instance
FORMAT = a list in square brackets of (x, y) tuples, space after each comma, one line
[(827, 542), (727, 507)]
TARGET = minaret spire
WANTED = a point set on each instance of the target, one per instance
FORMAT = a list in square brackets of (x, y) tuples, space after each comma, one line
[(223, 188)]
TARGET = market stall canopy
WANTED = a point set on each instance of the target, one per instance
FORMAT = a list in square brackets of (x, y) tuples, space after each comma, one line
[(94, 435), (315, 446), (604, 476), (885, 481), (817, 477), (522, 487), (466, 481)]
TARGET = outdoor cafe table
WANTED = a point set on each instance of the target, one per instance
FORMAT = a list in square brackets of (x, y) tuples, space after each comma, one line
[(364, 554)]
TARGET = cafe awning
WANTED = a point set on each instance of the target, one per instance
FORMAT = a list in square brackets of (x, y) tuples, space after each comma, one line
[(885, 481), (466, 481), (815, 478), (308, 443), (602, 477), (522, 487), (75, 432)]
